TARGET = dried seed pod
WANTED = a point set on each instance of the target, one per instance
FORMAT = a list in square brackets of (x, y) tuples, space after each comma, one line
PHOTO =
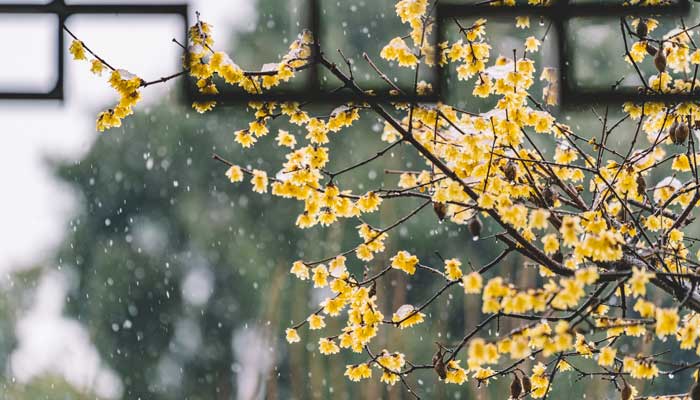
[(641, 185), (626, 393), (622, 215), (660, 60), (373, 289), (516, 387), (475, 226), (672, 131), (642, 28), (440, 210), (695, 391), (439, 365), (549, 196), (527, 384), (510, 171), (651, 49), (681, 134)]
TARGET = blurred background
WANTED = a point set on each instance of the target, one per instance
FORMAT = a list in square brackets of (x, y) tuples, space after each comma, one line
[(130, 268)]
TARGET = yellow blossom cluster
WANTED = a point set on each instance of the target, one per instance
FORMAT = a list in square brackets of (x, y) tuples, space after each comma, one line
[(604, 228), (126, 84)]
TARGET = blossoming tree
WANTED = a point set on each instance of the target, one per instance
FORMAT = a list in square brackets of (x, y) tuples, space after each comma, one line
[(610, 246)]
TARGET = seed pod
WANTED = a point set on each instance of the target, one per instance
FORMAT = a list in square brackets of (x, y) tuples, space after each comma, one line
[(641, 185), (695, 391), (660, 60), (373, 289), (475, 226), (672, 131), (626, 393), (681, 134), (622, 215), (440, 210), (527, 384), (651, 49), (510, 171), (439, 365), (516, 387), (642, 29), (549, 196)]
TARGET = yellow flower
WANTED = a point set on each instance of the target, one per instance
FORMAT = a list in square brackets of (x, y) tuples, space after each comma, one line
[(77, 50), (389, 378), (244, 138), (653, 223), (292, 335), (570, 229), (646, 309), (320, 277), (393, 362), (403, 260), (234, 173), (472, 283), (258, 128), (285, 139), (666, 321), (259, 181), (587, 276), (455, 373), (369, 202), (638, 281), (540, 383), (695, 57), (407, 316), (538, 218), (640, 369), (326, 346), (300, 270), (532, 44), (522, 22), (316, 322), (681, 163), (409, 10), (204, 106), (607, 356), (551, 243), (452, 269), (358, 372), (675, 236), (96, 67)]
